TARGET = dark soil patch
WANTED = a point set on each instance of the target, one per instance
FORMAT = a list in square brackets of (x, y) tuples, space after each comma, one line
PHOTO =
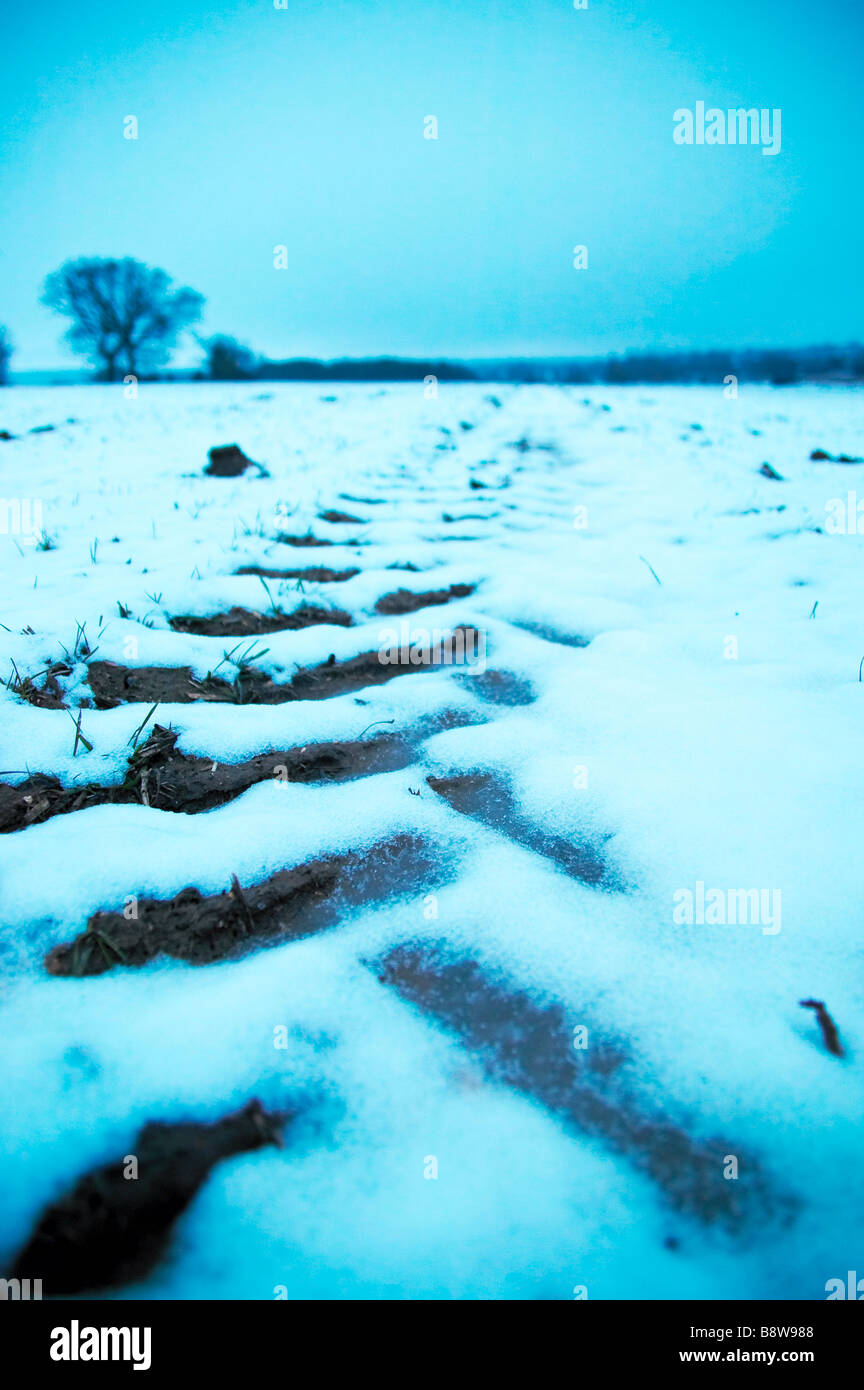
[(162, 777), (341, 677), (244, 622), (201, 930), (340, 518), (308, 539), (111, 1229), (529, 1046), (404, 601), (48, 695), (114, 685), (229, 461), (502, 688), (551, 634), (312, 574), (830, 1036), (483, 797), (819, 455)]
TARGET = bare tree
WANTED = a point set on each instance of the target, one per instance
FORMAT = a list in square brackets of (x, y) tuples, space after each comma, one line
[(126, 316), (6, 349)]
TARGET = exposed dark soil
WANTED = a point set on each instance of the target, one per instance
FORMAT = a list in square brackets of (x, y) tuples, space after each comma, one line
[(819, 455), (551, 634), (229, 461), (530, 1047), (404, 601), (203, 929), (486, 799), (48, 695), (162, 777), (312, 574), (502, 688), (114, 685), (340, 518), (308, 539), (112, 1228), (828, 1027), (245, 622), (340, 677)]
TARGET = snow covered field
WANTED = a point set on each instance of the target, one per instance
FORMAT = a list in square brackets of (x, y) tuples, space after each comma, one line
[(520, 1064)]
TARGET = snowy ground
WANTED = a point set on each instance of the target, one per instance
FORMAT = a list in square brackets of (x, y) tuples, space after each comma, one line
[(701, 723)]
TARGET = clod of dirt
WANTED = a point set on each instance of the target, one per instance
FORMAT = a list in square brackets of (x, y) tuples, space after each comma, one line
[(313, 574), (529, 1046), (111, 1228), (830, 1036), (201, 930), (4, 435), (229, 461), (160, 776), (244, 622), (820, 455), (483, 797), (404, 601), (768, 472), (340, 518)]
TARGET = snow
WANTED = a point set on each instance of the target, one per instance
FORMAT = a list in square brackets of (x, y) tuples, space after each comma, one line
[(716, 717)]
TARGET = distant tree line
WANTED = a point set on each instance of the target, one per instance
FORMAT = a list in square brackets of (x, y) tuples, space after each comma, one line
[(780, 367), (125, 318), (228, 360)]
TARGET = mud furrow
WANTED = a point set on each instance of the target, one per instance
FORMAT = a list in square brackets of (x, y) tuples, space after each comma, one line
[(529, 1046), (406, 601), (245, 622), (313, 574), (201, 929), (168, 780), (114, 685), (484, 797), (110, 1229)]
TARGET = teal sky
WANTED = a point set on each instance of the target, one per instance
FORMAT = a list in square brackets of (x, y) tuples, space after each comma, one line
[(303, 127)]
